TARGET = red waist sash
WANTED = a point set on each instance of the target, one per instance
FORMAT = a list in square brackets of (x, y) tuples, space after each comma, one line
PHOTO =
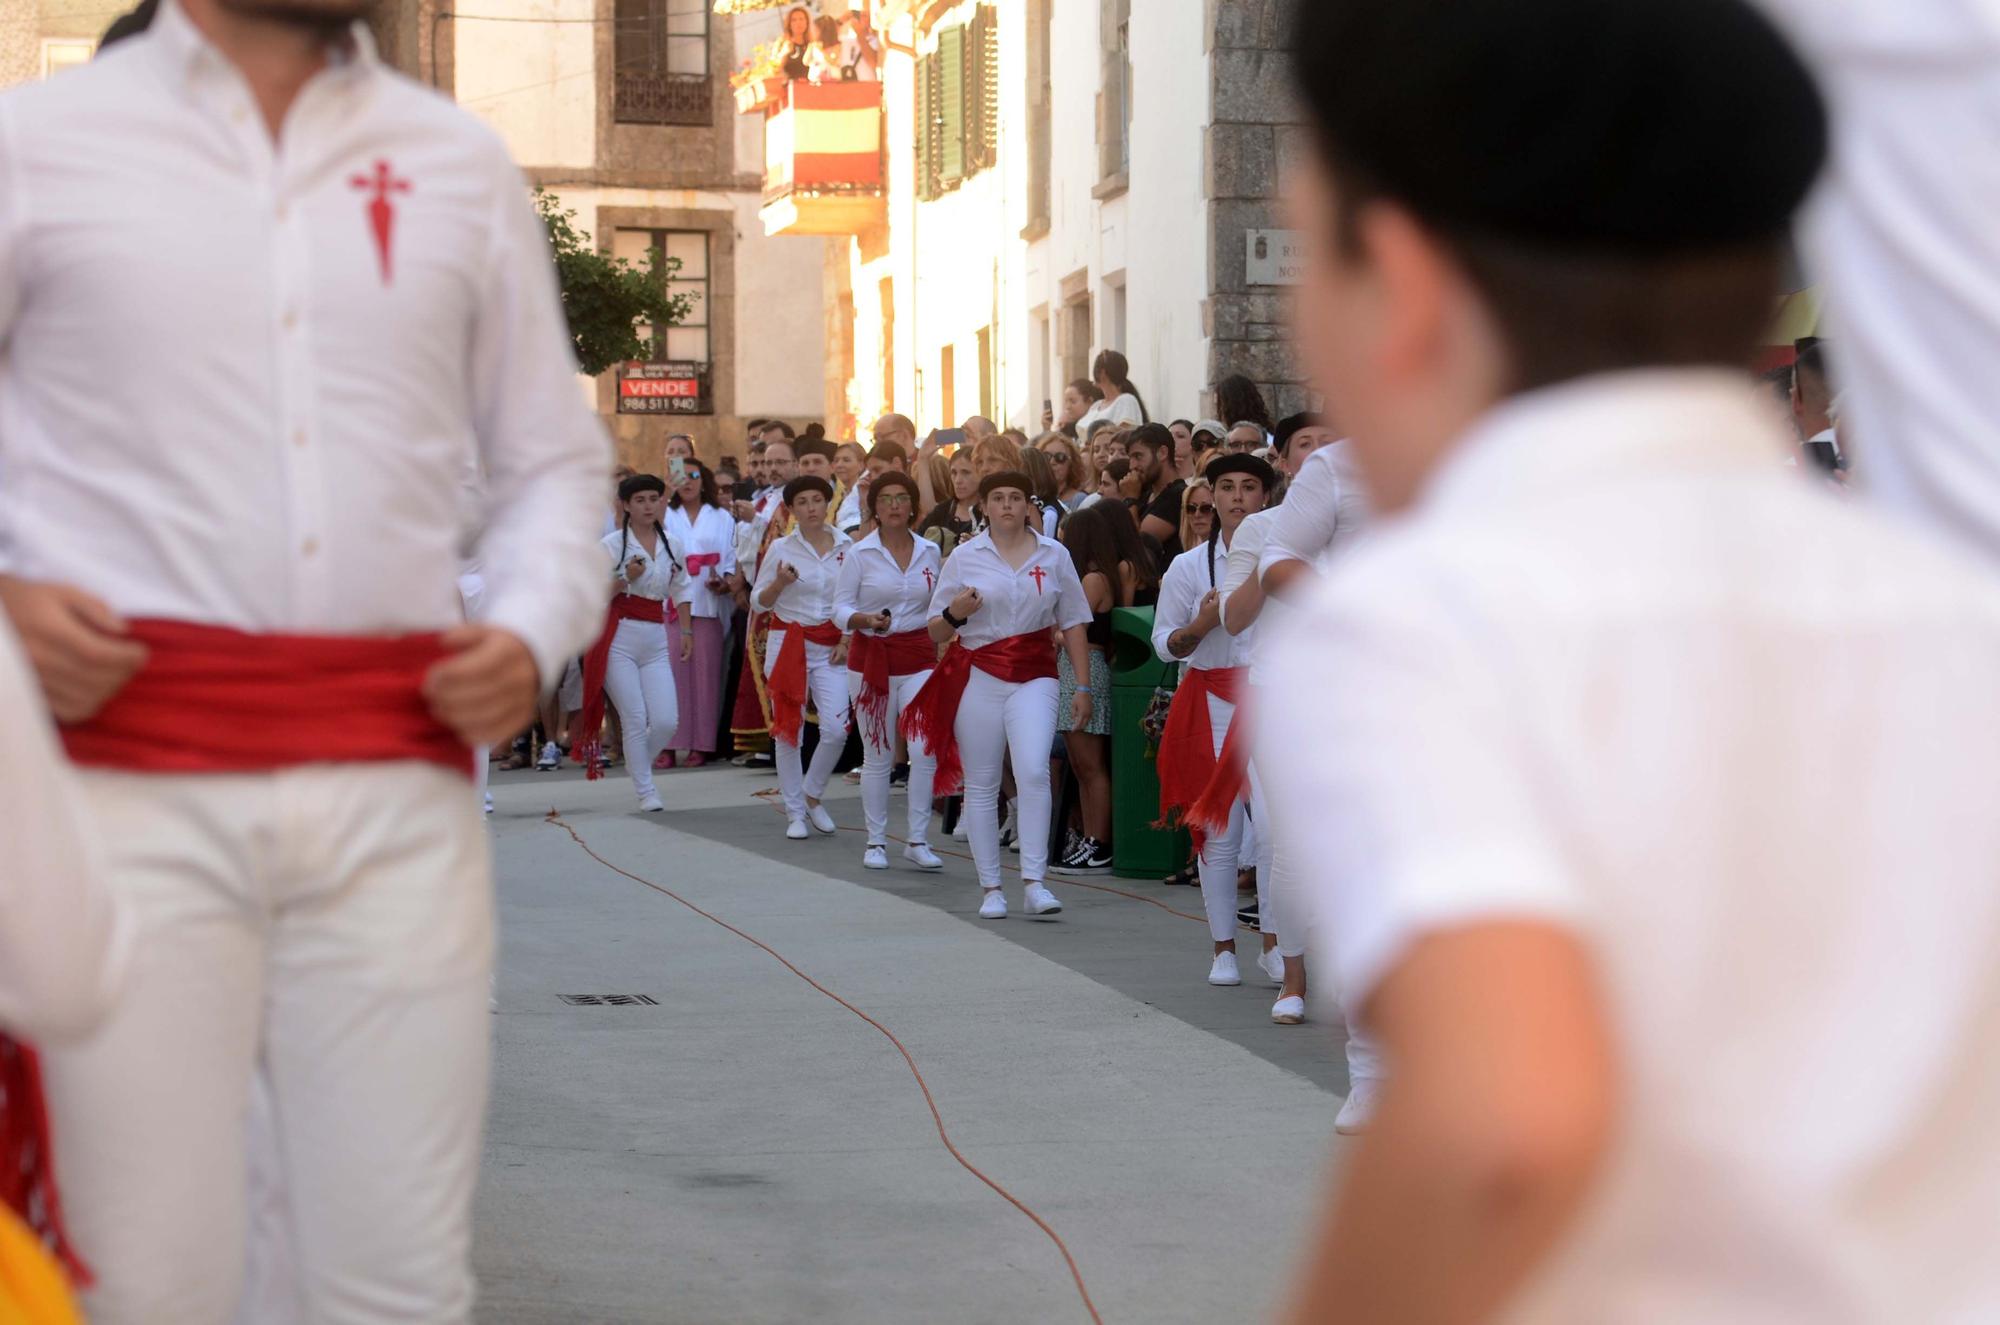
[(589, 730), (698, 562), (788, 676), (933, 716), (215, 700), (1187, 762), (1231, 776), (27, 1157), (879, 657)]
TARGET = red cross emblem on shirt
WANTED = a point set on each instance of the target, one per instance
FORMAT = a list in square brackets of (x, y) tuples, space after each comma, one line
[(381, 211), (928, 586), (1038, 575)]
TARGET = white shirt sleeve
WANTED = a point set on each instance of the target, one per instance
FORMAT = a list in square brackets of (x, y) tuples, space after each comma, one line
[(950, 584), (679, 588), (767, 575), (546, 458), (1072, 605), (1321, 506), (12, 204), (1179, 600), (1245, 553), (847, 589), (64, 940), (1126, 410), (1406, 785)]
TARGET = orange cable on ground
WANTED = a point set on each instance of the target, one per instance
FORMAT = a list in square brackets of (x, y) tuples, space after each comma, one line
[(555, 817)]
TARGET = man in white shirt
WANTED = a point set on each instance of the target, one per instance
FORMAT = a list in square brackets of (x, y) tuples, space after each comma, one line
[(335, 296), (1618, 890)]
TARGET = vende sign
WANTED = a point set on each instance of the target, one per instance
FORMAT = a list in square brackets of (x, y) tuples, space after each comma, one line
[(663, 388), (687, 387)]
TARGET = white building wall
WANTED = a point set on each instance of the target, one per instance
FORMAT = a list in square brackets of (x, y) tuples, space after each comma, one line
[(1166, 253), (535, 82)]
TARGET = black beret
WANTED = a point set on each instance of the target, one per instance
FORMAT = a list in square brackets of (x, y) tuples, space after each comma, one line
[(1635, 127), (805, 483), (1242, 462), (1006, 478)]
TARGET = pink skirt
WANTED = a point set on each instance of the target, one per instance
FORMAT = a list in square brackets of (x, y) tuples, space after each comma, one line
[(698, 682)]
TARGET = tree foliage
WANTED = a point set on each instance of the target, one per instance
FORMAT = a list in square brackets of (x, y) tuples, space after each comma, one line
[(608, 300)]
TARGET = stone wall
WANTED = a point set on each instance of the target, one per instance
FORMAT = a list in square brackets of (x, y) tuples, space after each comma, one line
[(1251, 136)]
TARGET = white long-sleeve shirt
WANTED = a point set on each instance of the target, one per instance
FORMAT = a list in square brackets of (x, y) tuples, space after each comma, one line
[(1044, 592), (808, 600), (1188, 580), (64, 938), (871, 581), (235, 390), (711, 534), (664, 578), (1619, 674), (1324, 510)]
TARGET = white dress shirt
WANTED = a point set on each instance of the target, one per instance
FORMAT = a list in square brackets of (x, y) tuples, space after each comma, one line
[(664, 579), (1124, 410), (808, 600), (848, 518), (1044, 592), (871, 581), (1324, 510), (1246, 554), (1188, 580), (713, 533), (1902, 231), (227, 396), (1619, 674)]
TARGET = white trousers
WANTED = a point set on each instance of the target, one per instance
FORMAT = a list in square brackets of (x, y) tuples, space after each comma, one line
[(639, 677), (1223, 853), (335, 925), (998, 720), (827, 685), (877, 761)]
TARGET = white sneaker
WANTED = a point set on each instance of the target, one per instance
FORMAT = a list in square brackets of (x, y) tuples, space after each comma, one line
[(1272, 965), (1224, 971), (551, 758), (1359, 1110), (1040, 901), (875, 858), (994, 907), (959, 833), (489, 802), (822, 820), (651, 803), (1289, 1011), (797, 831), (920, 855)]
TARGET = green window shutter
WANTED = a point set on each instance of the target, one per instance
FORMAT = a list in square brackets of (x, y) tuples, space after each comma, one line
[(926, 132), (952, 99), (986, 83)]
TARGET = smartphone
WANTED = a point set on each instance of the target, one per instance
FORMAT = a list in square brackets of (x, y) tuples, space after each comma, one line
[(1048, 408), (676, 469), (951, 436)]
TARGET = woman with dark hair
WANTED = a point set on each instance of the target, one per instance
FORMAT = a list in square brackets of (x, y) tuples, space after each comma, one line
[(993, 695), (1077, 398), (706, 533), (882, 597), (1076, 477), (1116, 571), (805, 656), (1237, 400), (1047, 494), (631, 658), (1111, 485), (1120, 401), (956, 518), (798, 42)]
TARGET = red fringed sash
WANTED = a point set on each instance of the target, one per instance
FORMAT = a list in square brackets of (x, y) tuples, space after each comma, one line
[(788, 676), (27, 1162), (1210, 811), (590, 721), (1187, 762), (215, 700), (933, 716), (879, 657)]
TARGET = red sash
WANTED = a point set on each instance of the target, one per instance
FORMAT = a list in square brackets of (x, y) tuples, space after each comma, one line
[(215, 700), (1226, 785), (788, 676), (590, 720), (698, 562), (932, 717), (1187, 762), (27, 1160), (879, 657)]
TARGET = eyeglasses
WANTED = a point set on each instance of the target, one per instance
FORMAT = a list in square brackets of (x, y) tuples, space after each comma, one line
[(893, 499), (1201, 508)]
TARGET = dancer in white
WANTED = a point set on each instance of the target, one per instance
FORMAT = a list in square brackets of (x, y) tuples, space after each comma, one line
[(883, 599), (993, 695), (1187, 630), (806, 655), (234, 563), (649, 615)]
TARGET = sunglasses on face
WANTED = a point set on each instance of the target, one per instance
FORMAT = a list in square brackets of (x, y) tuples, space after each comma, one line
[(1202, 508)]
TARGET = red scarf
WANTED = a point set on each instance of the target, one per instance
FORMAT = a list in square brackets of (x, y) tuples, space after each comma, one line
[(879, 657), (788, 676), (932, 717), (27, 1161), (1210, 811), (1187, 762), (590, 720), (215, 700)]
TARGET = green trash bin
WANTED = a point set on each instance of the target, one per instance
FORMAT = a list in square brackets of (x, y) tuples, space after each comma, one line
[(1138, 850)]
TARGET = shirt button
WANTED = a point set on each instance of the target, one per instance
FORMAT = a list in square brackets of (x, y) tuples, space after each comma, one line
[(309, 547)]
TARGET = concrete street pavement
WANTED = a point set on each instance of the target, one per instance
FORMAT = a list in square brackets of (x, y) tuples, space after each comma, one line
[(745, 1149)]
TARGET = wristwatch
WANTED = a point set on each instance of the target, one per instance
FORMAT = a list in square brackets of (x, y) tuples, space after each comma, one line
[(956, 623)]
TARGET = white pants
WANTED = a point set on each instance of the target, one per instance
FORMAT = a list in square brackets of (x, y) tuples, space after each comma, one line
[(334, 924), (639, 677), (827, 685), (878, 761), (1223, 853), (998, 720)]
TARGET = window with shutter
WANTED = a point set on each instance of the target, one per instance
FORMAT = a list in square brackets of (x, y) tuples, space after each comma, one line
[(951, 96), (986, 84), (926, 131)]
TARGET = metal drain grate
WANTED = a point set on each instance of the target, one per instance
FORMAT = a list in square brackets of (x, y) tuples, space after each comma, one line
[(608, 1000)]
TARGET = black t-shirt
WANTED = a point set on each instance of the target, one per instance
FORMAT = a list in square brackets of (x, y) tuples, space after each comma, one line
[(1167, 506)]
